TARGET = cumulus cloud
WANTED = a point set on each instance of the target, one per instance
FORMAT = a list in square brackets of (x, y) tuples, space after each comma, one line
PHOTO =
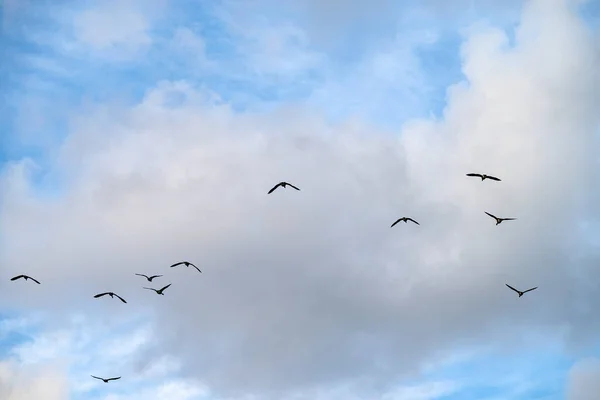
[(310, 290), (46, 383)]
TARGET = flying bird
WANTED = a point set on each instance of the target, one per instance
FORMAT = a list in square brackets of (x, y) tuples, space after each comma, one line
[(405, 219), (24, 277), (499, 220), (107, 379), (149, 277), (187, 264), (111, 294), (484, 177), (283, 185), (518, 291), (158, 291)]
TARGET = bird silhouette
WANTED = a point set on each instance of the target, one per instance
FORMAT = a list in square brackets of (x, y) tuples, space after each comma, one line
[(111, 294), (107, 379), (186, 263), (499, 220), (518, 291), (158, 291), (283, 185), (149, 277), (484, 177), (24, 277), (405, 219)]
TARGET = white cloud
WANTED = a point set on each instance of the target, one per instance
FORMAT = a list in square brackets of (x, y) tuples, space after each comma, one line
[(584, 380), (310, 290), (48, 383)]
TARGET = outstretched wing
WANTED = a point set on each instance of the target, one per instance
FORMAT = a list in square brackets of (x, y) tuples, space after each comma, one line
[(17, 277), (149, 288), (113, 379), (511, 287), (478, 175), (35, 280), (493, 178), (195, 267), (145, 276), (493, 216), (508, 219), (154, 276), (176, 264), (274, 187), (410, 219), (529, 290), (96, 377), (398, 220), (165, 287), (290, 185), (120, 298), (100, 295)]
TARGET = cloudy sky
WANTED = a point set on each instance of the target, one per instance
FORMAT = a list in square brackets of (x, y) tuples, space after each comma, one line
[(134, 134)]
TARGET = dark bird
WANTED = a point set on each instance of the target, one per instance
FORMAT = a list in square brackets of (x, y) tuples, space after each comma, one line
[(107, 379), (499, 220), (158, 291), (283, 185), (111, 294), (24, 277), (518, 291), (405, 219), (484, 177), (187, 264), (149, 277)]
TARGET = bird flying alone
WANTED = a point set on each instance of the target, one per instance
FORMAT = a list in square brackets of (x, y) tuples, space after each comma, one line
[(283, 185), (149, 277), (405, 220), (484, 177), (158, 291), (24, 277), (111, 294), (186, 263), (107, 379), (518, 291), (499, 220)]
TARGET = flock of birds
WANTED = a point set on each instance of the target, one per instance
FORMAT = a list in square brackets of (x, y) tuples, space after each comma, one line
[(283, 185)]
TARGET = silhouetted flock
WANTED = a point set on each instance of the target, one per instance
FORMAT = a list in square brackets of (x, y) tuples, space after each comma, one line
[(283, 185)]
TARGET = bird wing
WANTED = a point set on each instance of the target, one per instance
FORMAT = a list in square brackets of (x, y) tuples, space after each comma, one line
[(195, 267), (145, 276), (149, 288), (529, 290), (120, 298), (507, 219), (96, 377), (100, 295), (35, 280), (493, 216), (410, 219), (113, 379), (512, 288), (293, 186), (176, 264), (398, 220), (154, 276), (479, 175), (165, 287), (274, 187), (493, 178), (17, 277)]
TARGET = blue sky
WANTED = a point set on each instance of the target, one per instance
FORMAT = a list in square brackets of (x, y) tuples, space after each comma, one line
[(100, 96)]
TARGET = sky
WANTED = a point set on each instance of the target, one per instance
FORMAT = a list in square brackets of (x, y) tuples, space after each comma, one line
[(138, 133)]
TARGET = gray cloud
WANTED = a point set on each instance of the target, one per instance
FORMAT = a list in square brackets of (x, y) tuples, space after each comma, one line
[(583, 381), (31, 383), (312, 288)]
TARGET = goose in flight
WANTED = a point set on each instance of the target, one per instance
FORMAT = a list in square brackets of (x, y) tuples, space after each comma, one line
[(405, 219), (499, 220), (24, 277), (518, 291), (158, 291), (187, 264), (283, 185), (111, 294), (149, 277), (484, 177), (107, 379)]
